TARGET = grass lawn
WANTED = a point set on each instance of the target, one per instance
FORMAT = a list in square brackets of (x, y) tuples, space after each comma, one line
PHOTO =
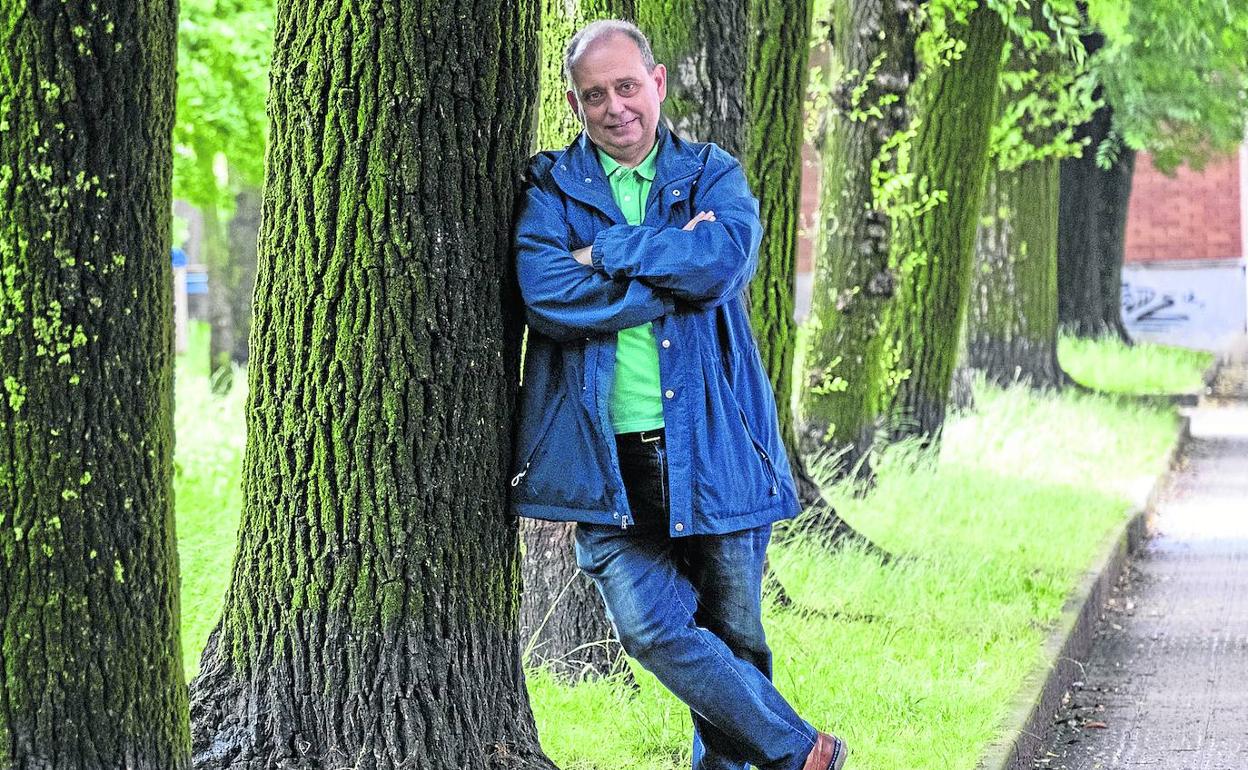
[(914, 662), (1143, 368)]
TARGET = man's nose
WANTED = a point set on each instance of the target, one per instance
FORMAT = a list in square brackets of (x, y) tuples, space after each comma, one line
[(615, 104)]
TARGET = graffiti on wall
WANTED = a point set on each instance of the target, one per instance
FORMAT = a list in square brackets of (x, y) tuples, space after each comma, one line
[(1194, 307), (1157, 309)]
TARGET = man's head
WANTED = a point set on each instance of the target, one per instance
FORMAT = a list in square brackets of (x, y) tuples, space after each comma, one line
[(615, 88)]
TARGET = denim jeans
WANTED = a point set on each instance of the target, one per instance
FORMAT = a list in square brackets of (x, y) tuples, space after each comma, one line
[(690, 611)]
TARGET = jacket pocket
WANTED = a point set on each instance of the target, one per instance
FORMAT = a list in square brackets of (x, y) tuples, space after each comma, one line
[(548, 421), (768, 468)]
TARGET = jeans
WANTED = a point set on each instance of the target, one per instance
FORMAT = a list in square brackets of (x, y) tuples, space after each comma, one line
[(690, 611)]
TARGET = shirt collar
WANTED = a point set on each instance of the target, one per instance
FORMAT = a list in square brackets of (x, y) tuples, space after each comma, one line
[(645, 169)]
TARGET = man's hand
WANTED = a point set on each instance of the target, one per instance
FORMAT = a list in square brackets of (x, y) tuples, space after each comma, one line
[(584, 255), (703, 216)]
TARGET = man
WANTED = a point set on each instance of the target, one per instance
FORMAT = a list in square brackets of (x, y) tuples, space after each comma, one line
[(646, 415)]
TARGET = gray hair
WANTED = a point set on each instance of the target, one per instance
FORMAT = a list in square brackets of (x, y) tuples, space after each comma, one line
[(596, 30)]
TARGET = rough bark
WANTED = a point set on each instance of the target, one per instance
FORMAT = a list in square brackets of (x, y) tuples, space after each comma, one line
[(244, 232), (372, 616), (563, 624), (89, 626), (853, 280), (1012, 328), (1092, 230), (704, 46), (950, 153)]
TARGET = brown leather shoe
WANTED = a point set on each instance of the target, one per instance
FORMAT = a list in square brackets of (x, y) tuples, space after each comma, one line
[(829, 753)]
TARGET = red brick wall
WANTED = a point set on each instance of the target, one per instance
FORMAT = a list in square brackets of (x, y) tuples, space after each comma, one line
[(1192, 215)]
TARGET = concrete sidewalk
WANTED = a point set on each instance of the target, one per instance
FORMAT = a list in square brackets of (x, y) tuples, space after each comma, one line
[(1167, 683)]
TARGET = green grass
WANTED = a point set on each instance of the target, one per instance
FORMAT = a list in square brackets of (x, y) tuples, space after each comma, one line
[(914, 662), (1143, 368), (207, 495)]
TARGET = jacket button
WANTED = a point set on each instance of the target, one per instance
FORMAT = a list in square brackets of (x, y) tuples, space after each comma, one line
[(680, 527), (588, 180), (670, 394), (667, 343), (674, 192)]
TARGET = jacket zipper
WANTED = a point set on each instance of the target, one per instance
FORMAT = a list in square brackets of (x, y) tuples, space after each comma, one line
[(768, 467), (550, 421)]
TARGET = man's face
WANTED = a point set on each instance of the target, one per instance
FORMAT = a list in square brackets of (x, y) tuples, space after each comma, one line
[(616, 99)]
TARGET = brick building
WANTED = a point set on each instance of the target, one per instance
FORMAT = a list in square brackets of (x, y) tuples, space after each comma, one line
[(1183, 281)]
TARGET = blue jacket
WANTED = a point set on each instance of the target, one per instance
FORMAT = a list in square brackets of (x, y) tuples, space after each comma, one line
[(727, 468)]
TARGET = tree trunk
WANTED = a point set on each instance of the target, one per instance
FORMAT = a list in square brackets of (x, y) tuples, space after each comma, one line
[(853, 281), (372, 616), (89, 626), (218, 260), (563, 624), (244, 233), (1012, 329), (704, 45), (1092, 231), (934, 249)]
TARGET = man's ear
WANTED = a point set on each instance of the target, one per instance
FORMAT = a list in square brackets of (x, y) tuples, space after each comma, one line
[(574, 103), (659, 73)]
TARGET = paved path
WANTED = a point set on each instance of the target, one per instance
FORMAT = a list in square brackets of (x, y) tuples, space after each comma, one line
[(1167, 685)]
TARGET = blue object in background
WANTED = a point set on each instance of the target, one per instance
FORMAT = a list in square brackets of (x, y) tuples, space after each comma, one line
[(196, 282), (179, 257)]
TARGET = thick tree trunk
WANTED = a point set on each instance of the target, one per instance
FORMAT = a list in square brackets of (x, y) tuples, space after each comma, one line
[(935, 248), (244, 233), (1012, 328), (704, 45), (1092, 230), (372, 617), (853, 281), (89, 626), (563, 624)]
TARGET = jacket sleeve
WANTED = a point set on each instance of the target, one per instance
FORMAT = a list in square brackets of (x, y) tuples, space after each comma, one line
[(564, 299), (706, 265)]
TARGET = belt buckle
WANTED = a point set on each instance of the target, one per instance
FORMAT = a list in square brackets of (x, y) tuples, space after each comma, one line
[(649, 440)]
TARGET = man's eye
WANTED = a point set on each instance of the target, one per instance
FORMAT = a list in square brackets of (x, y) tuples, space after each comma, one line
[(628, 88), (593, 97)]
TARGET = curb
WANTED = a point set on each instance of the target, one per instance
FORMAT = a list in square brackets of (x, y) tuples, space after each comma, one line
[(1024, 728)]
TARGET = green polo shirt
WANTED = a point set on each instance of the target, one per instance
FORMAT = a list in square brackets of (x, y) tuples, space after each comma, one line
[(636, 400)]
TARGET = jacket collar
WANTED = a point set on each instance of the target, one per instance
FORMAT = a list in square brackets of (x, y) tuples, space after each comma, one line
[(579, 174)]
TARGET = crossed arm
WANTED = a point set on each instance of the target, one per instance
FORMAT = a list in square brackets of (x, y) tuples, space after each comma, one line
[(634, 274)]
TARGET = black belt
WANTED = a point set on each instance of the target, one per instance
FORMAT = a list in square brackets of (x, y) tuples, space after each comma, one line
[(640, 437)]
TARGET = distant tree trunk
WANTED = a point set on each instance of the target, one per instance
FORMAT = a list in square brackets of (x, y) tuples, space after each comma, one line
[(89, 626), (1012, 313), (373, 612), (704, 45), (853, 281), (950, 152), (776, 76), (563, 624), (244, 232), (1092, 230), (1012, 329), (218, 260)]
